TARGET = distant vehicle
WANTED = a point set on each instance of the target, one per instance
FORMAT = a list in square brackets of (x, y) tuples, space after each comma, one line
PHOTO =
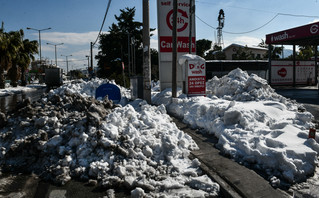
[(53, 77)]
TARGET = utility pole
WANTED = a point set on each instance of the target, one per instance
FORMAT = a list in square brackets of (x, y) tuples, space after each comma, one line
[(174, 63), (146, 53), (56, 60), (87, 56), (129, 53), (190, 25), (91, 69), (67, 63)]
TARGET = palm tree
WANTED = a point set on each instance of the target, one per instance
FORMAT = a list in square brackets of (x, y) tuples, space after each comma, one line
[(26, 56), (16, 40), (9, 46)]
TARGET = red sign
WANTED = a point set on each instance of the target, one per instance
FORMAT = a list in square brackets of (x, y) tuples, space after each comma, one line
[(182, 20), (182, 44), (196, 83), (282, 72), (301, 32)]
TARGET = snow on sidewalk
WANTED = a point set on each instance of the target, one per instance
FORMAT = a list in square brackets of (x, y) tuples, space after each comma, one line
[(254, 124)]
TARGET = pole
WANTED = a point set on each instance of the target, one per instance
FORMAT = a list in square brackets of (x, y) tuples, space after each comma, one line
[(91, 59), (128, 54), (294, 65), (316, 64), (67, 65), (146, 53), (40, 47), (269, 64), (28, 28), (190, 25), (56, 60), (174, 66)]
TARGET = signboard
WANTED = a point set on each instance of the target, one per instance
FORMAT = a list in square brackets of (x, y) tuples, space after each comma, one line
[(165, 46), (282, 72), (196, 77), (293, 34)]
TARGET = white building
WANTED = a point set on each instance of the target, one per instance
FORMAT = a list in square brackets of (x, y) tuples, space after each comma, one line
[(256, 52)]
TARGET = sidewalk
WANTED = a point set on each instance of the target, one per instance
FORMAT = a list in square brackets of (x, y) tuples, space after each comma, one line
[(234, 179)]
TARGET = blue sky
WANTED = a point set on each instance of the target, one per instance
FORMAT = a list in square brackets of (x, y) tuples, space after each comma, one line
[(76, 22)]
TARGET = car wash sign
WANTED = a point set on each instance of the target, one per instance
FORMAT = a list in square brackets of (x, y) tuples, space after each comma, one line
[(196, 77), (165, 26)]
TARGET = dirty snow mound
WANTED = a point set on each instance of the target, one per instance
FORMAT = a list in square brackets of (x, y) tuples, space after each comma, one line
[(66, 135)]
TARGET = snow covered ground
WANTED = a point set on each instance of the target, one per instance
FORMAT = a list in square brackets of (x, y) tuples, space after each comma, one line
[(69, 134), (19, 89), (254, 125), (138, 146)]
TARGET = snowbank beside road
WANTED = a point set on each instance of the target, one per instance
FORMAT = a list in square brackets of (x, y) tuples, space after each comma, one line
[(254, 125)]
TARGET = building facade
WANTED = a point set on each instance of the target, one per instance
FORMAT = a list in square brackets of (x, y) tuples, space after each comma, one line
[(233, 51)]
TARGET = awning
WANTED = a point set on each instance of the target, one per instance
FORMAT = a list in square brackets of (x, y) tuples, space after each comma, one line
[(303, 35)]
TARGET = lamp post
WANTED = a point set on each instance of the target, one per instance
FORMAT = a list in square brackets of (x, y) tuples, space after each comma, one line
[(87, 56), (39, 30), (67, 63), (56, 60)]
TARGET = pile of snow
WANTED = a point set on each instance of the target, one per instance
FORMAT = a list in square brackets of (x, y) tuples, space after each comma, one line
[(240, 86), (19, 89), (254, 125), (68, 134), (87, 88)]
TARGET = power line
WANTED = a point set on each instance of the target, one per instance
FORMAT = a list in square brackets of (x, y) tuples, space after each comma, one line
[(278, 14), (259, 10), (253, 29), (107, 9)]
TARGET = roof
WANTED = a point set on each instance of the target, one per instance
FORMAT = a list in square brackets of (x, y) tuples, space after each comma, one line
[(302, 35), (242, 46)]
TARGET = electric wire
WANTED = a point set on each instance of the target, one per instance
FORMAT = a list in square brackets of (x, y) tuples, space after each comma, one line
[(246, 32), (259, 10), (107, 9)]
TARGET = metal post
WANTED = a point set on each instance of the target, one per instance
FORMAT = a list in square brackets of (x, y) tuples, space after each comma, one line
[(40, 47), (28, 28), (190, 25), (88, 63), (269, 64), (174, 45), (316, 64), (128, 54), (67, 64), (146, 53), (91, 59), (294, 65), (56, 60)]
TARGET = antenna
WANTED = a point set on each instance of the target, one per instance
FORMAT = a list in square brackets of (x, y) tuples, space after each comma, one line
[(221, 20)]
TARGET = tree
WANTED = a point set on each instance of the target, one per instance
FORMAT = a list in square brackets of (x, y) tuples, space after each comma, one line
[(305, 52), (154, 62), (243, 53), (114, 46), (275, 51), (215, 54), (9, 47), (202, 46), (26, 55)]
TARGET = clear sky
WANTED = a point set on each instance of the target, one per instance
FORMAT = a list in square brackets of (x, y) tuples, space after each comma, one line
[(76, 22)]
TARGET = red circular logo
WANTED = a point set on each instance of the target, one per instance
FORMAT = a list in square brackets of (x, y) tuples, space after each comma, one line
[(282, 72), (182, 20)]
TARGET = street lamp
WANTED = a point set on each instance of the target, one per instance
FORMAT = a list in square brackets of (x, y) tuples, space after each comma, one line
[(56, 61), (88, 62), (67, 64), (28, 28)]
